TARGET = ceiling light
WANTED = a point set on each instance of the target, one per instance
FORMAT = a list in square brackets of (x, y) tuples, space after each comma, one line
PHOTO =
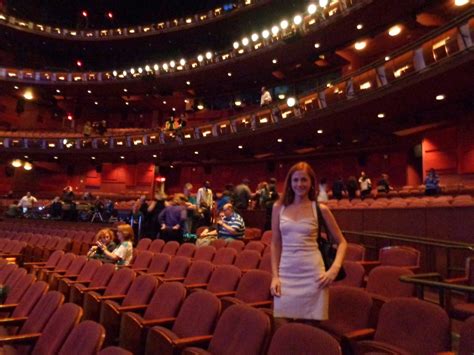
[(132, 71), (26, 156), (147, 68), (381, 115), (55, 157), (240, 147), (124, 73), (317, 45), (284, 24), (279, 140), (360, 45), (200, 58), (387, 58), (254, 37), (461, 2), (440, 97), (164, 102), (64, 141), (16, 87), (323, 3), (196, 152), (274, 61), (165, 66), (312, 8), (154, 155), (236, 45), (140, 70), (208, 55), (281, 96), (394, 30), (114, 73), (360, 26), (229, 74), (122, 157), (291, 102), (297, 19), (156, 67), (265, 34), (237, 103), (188, 82), (172, 64), (182, 61), (125, 90), (27, 166), (89, 92), (93, 158), (275, 30), (96, 102), (17, 163), (58, 91), (127, 103), (319, 131), (200, 107), (245, 41), (173, 109)]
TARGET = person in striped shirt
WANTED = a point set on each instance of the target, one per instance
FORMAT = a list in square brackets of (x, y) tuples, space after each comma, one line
[(232, 225)]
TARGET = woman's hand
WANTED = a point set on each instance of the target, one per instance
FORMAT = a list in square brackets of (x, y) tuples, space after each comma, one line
[(327, 277), (275, 287)]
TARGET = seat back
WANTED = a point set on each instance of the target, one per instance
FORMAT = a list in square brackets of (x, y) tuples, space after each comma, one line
[(266, 263), (470, 277), (241, 330), (61, 324), (89, 270), (349, 310), (416, 326), (255, 245), (225, 256), (30, 298), (187, 250), (399, 256), (65, 261), (267, 237), (6, 271), (170, 248), (143, 260), (120, 282), (178, 267), (199, 272), (466, 342), (355, 252), (247, 259), (143, 244), (224, 278), (15, 277), (140, 291), (103, 275), (198, 315), (166, 301), (219, 243), (355, 274), (42, 312), (159, 263), (205, 253), (254, 286), (156, 246), (299, 339), (19, 288), (384, 281), (76, 265), (85, 339), (237, 245)]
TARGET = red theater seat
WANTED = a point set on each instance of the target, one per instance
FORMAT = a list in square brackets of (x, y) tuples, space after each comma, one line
[(85, 339)]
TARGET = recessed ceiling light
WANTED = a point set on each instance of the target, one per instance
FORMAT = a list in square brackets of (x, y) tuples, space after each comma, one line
[(291, 101), (387, 58), (320, 131), (154, 155), (236, 45), (127, 103), (394, 31), (93, 158), (317, 45), (229, 74), (174, 109), (279, 140), (122, 157), (281, 96), (164, 102), (25, 156), (360, 26), (188, 82), (196, 152), (274, 61), (440, 97), (200, 107), (240, 147), (208, 55), (89, 91), (312, 8), (96, 102), (381, 115), (461, 2), (360, 45), (171, 166), (58, 91), (55, 157), (297, 20), (125, 90)]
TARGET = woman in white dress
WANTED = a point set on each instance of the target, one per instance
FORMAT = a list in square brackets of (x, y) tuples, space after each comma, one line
[(300, 281)]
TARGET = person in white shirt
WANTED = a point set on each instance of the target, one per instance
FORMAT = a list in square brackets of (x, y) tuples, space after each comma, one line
[(204, 201), (365, 185), (27, 202), (266, 98)]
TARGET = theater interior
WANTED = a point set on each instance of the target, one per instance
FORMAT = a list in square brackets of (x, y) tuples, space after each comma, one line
[(115, 100)]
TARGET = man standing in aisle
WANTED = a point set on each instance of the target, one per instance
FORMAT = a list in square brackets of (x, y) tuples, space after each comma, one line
[(204, 201)]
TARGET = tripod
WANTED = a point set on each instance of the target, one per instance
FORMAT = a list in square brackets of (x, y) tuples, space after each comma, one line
[(98, 215)]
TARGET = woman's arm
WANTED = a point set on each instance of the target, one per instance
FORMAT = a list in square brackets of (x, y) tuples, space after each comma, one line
[(275, 287), (337, 237)]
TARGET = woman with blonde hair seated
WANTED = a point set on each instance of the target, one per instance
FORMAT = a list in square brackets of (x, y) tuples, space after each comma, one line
[(123, 254), (106, 237)]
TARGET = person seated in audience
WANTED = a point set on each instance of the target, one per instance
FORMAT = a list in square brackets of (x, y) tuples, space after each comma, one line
[(383, 185), (261, 195), (432, 183), (87, 129), (173, 219), (69, 207), (105, 237), (209, 234), (231, 225), (365, 185), (123, 254), (323, 191), (87, 196), (352, 187), (338, 188), (27, 202), (55, 208), (266, 98)]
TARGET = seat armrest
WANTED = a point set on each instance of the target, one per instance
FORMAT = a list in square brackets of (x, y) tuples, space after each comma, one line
[(36, 263), (155, 273), (8, 307), (457, 280), (133, 308), (193, 286), (192, 341), (261, 304), (139, 269), (96, 289), (359, 335), (172, 279), (74, 282), (111, 297), (161, 321), (13, 321), (20, 339), (59, 272), (59, 277), (225, 294)]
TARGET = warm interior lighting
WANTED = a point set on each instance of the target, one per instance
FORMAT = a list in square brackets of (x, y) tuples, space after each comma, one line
[(17, 163), (254, 37), (360, 26), (461, 2), (122, 157), (320, 131), (275, 30), (208, 55), (264, 120), (28, 166), (291, 102), (440, 97), (240, 147), (297, 20), (200, 107), (366, 85), (312, 8), (360, 45), (279, 140), (236, 45), (281, 96), (274, 61), (196, 152), (284, 24), (323, 3), (394, 30), (265, 34), (238, 103), (245, 41), (28, 95), (381, 115)]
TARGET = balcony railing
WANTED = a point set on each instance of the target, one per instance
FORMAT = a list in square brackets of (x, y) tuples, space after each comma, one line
[(429, 52)]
